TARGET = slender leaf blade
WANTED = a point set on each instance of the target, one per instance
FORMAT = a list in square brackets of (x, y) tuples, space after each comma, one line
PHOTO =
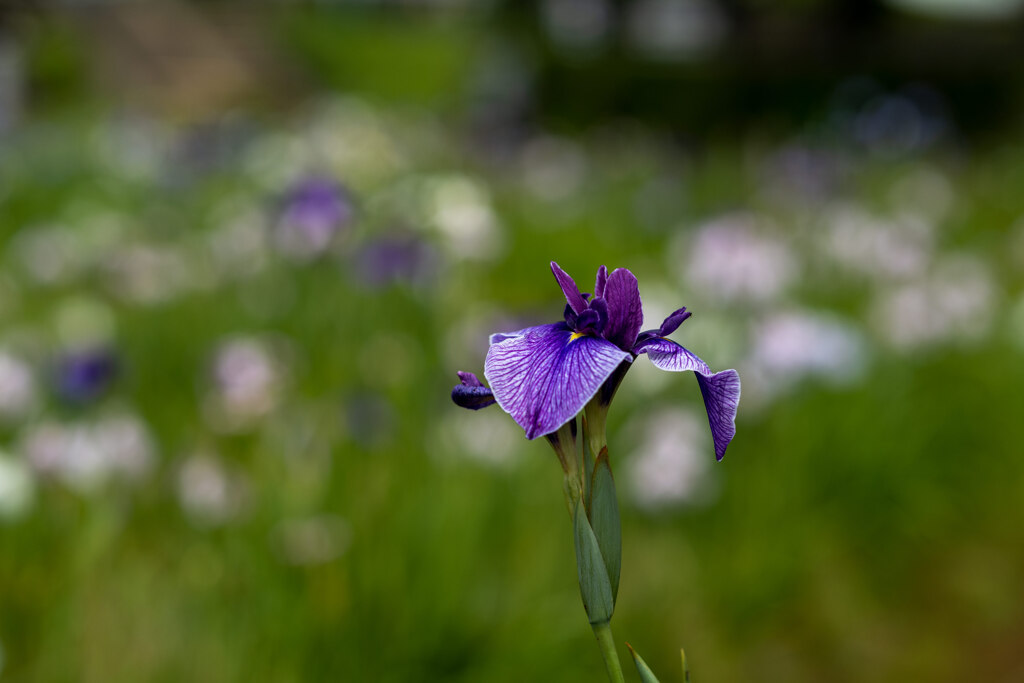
[(646, 675), (595, 589), (604, 519)]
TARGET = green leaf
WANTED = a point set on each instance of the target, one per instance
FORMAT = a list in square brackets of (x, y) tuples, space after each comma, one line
[(588, 464), (594, 585), (686, 669), (604, 519), (646, 675)]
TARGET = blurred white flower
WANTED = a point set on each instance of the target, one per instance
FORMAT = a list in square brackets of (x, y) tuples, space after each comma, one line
[(208, 494), (882, 248), (955, 302), (311, 540), (735, 258), (487, 436), (675, 29), (18, 391), (50, 254), (17, 487), (805, 343), (132, 148), (86, 455), (354, 140), (925, 190), (150, 274), (576, 24), (672, 463), (239, 244), (553, 168), (788, 347), (460, 209), (248, 379), (800, 175)]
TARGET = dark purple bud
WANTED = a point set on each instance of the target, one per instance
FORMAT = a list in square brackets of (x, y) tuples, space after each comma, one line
[(600, 306), (472, 397), (673, 321), (84, 375), (569, 288), (589, 322)]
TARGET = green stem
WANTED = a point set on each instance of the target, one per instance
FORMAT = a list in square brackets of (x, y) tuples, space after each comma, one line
[(605, 641)]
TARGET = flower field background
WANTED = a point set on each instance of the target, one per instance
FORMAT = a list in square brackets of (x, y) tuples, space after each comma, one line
[(234, 295)]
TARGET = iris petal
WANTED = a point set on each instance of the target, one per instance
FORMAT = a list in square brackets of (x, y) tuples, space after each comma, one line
[(673, 321), (569, 288), (600, 281), (468, 379), (721, 390), (545, 375), (625, 313)]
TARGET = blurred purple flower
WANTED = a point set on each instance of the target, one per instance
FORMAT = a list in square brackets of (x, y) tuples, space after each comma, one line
[(543, 376), (395, 259), (82, 376), (315, 209)]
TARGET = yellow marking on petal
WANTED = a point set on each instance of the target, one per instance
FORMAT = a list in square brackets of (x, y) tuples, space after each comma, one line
[(577, 335)]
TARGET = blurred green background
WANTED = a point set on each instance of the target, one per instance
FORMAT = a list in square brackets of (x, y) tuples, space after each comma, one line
[(245, 247)]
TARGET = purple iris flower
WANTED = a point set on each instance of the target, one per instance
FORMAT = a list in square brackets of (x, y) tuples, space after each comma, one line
[(314, 210), (395, 259), (83, 375), (543, 376)]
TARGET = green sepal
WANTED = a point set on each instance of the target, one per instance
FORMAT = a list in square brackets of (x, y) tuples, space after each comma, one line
[(595, 589), (646, 675), (603, 512)]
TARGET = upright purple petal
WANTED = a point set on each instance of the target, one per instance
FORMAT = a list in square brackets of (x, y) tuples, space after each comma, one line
[(721, 390), (569, 288), (601, 281), (544, 376), (625, 313)]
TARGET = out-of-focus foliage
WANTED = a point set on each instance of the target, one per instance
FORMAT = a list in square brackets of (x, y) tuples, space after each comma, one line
[(226, 345)]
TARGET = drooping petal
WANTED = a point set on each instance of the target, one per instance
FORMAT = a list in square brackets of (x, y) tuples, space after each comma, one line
[(721, 390), (673, 321), (544, 376), (625, 313), (569, 288), (600, 281)]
